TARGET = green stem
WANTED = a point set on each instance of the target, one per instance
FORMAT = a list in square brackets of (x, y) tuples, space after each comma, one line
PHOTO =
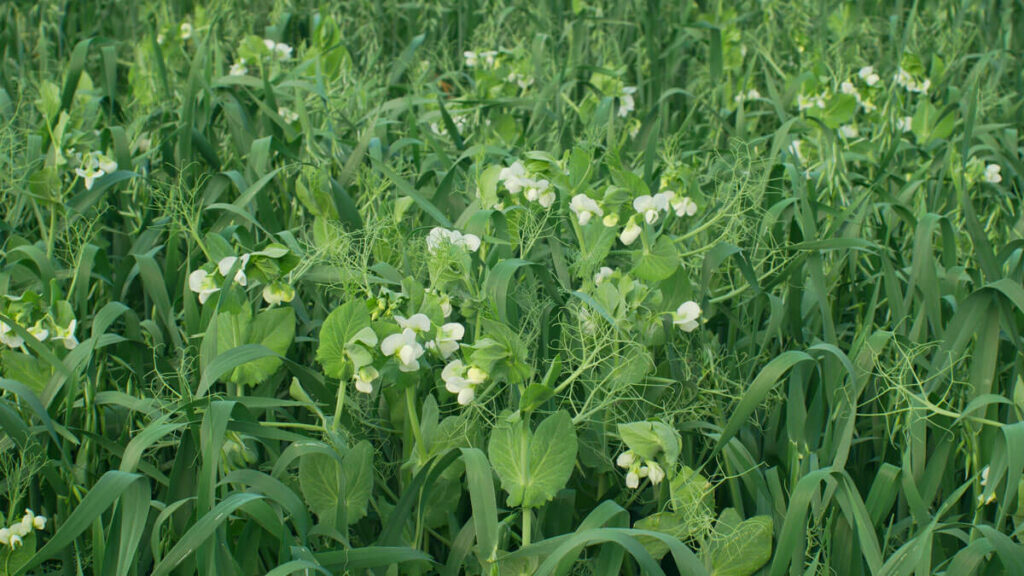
[(414, 419), (527, 526), (336, 423)]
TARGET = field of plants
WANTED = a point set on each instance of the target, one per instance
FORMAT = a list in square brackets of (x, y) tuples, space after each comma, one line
[(496, 287)]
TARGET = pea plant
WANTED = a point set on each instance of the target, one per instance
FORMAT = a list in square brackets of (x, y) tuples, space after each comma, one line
[(497, 287)]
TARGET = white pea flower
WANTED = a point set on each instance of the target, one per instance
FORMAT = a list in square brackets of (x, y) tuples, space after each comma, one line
[(626, 101), (984, 476), (655, 473), (8, 337), (280, 50), (848, 131), (904, 124), (547, 198), (848, 88), (39, 522), (489, 57), (238, 68), (16, 541), (5, 536), (535, 189), (287, 115), (364, 379), (278, 292), (911, 84), (446, 305), (28, 521), (625, 460), (753, 94), (471, 58), (462, 380), (992, 174), (405, 348), (585, 208), (648, 207), (630, 233), (448, 337), (67, 335), (416, 322), (160, 39), (185, 31), (807, 102), (514, 177), (684, 206), (105, 163), (868, 106), (38, 332), (438, 237), (867, 74), (632, 480), (602, 274), (89, 175), (20, 529), (610, 220), (226, 264), (203, 283), (686, 316), (903, 78)]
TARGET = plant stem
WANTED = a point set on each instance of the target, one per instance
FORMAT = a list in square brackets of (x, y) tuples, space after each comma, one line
[(336, 423), (527, 527)]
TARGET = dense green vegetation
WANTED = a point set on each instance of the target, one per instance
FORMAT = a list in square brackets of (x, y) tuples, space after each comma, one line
[(512, 287)]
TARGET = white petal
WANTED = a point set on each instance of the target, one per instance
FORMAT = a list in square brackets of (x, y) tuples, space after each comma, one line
[(391, 344)]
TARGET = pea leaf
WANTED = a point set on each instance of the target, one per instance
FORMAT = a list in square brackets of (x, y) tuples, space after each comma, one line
[(552, 458), (740, 547), (648, 439), (533, 466), (658, 263), (341, 325)]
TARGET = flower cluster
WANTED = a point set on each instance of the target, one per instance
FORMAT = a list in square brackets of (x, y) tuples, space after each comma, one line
[(473, 59), (650, 209), (517, 180), (287, 115), (13, 535), (907, 80), (92, 166), (440, 129), (440, 237), (637, 469), (280, 50), (752, 94), (56, 324), (263, 266)]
